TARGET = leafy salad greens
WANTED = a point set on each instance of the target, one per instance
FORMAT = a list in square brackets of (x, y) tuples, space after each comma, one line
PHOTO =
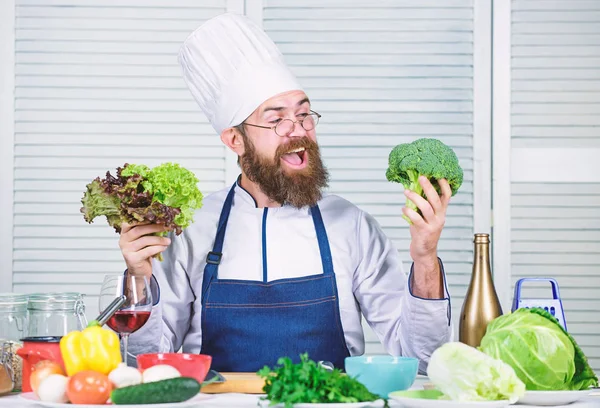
[(543, 355), (524, 350), (166, 194), (463, 373), (309, 382)]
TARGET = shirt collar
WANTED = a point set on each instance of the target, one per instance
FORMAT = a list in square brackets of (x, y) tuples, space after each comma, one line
[(243, 194)]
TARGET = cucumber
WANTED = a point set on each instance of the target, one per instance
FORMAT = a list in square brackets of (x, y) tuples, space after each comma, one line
[(158, 392)]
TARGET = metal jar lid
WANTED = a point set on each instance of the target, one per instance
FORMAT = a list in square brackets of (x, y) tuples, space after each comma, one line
[(56, 301), (13, 302)]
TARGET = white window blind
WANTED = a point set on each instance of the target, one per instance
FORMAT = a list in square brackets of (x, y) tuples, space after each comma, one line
[(97, 85), (555, 117), (384, 73)]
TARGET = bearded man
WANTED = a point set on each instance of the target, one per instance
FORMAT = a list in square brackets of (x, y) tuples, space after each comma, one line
[(273, 266)]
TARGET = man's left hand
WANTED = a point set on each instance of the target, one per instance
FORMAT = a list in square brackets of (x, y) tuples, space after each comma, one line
[(425, 232)]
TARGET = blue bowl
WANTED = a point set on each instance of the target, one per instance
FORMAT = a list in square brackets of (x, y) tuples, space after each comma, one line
[(383, 374)]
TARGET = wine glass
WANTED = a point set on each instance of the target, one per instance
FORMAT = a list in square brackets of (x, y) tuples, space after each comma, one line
[(135, 312)]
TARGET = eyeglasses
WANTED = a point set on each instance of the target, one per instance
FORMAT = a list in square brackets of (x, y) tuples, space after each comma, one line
[(286, 126)]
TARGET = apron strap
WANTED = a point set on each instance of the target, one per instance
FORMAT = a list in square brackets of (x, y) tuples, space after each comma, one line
[(326, 258), (213, 258)]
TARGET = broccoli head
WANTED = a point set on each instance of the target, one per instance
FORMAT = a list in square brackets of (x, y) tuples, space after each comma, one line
[(424, 157)]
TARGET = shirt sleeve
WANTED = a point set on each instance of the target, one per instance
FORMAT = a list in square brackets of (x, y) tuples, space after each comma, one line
[(173, 300), (405, 324)]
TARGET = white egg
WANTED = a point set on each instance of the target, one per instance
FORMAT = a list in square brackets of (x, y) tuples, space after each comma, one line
[(159, 372), (124, 376), (53, 389)]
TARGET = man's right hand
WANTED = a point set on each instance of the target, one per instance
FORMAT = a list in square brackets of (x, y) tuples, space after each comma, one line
[(138, 247)]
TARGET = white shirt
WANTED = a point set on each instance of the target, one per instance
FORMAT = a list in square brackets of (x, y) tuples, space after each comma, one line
[(369, 275)]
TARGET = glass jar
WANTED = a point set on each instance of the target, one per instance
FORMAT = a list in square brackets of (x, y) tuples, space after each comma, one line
[(13, 317), (13, 327), (55, 314), (7, 381)]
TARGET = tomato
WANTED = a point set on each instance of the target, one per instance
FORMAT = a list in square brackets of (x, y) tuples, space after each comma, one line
[(89, 387), (42, 370)]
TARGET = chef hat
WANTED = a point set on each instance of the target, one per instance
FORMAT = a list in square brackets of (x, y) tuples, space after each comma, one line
[(231, 67)]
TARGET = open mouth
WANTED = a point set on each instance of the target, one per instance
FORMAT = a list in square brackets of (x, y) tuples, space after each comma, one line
[(296, 157)]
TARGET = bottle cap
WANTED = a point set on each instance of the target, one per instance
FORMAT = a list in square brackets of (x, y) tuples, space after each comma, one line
[(481, 239)]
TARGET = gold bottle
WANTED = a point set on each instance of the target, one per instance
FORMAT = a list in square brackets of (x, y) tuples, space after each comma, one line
[(481, 304)]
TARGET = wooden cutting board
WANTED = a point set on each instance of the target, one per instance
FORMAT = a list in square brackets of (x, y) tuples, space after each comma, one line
[(246, 383)]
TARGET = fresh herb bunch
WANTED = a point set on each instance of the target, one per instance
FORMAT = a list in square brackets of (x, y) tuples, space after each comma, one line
[(309, 382)]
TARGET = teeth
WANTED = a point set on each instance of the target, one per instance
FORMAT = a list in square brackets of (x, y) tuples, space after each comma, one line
[(301, 149)]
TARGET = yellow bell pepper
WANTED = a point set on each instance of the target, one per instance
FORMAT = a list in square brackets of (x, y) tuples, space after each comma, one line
[(93, 348)]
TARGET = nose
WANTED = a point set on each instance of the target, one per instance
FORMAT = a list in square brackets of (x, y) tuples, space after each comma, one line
[(297, 130)]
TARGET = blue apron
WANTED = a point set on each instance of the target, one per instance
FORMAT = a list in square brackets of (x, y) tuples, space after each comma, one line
[(249, 324)]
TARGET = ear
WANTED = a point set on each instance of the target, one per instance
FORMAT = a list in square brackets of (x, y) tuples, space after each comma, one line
[(232, 138)]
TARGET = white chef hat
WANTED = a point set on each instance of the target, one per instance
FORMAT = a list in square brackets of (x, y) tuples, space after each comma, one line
[(231, 67)]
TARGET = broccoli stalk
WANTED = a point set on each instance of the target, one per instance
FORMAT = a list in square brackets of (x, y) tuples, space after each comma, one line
[(414, 185), (423, 157)]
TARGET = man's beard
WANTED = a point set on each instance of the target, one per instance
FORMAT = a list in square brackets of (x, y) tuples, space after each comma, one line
[(297, 188)]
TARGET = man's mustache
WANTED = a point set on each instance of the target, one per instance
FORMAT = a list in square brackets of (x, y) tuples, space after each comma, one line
[(293, 144)]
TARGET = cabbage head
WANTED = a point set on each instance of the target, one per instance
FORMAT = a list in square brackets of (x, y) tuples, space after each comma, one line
[(463, 373), (544, 356)]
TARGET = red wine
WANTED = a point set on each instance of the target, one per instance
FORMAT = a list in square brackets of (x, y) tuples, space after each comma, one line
[(128, 321)]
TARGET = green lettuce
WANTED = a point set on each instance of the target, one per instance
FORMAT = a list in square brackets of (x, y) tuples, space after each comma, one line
[(173, 186), (463, 373), (166, 194), (543, 355)]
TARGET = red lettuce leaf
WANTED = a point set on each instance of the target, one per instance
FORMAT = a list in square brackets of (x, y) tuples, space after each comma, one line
[(123, 200)]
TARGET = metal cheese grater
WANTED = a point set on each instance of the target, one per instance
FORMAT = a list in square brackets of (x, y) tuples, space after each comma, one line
[(552, 306)]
